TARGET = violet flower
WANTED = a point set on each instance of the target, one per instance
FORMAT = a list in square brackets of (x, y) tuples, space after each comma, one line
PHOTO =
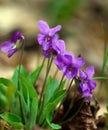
[(87, 84), (47, 53), (58, 47), (12, 46), (70, 65), (47, 35)]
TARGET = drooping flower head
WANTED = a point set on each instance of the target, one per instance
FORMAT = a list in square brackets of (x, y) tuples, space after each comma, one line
[(70, 65), (47, 35), (87, 84), (12, 46)]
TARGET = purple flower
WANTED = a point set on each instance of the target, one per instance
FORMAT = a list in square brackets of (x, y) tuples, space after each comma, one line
[(69, 64), (57, 47), (47, 53), (47, 35), (87, 84), (13, 45)]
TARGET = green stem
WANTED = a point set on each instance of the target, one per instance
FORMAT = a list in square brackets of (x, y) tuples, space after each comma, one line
[(60, 82), (19, 89), (100, 78), (44, 83), (42, 64), (41, 102), (105, 57), (63, 99), (70, 86), (55, 74), (71, 105)]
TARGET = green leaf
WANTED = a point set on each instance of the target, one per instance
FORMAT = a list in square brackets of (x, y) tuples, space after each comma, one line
[(52, 103), (25, 94), (28, 94), (16, 80), (15, 75), (51, 86), (7, 91), (33, 111), (30, 101), (100, 78), (62, 85), (25, 82), (25, 107), (52, 125), (35, 74), (3, 88), (12, 119), (3, 101), (105, 61)]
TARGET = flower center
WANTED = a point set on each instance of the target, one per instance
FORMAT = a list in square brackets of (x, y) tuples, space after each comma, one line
[(70, 68), (48, 38), (85, 80), (49, 51)]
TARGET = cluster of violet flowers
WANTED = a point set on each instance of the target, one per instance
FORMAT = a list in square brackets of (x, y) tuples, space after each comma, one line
[(65, 61)]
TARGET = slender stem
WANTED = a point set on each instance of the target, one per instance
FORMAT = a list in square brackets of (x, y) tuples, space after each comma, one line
[(42, 64), (60, 82), (55, 74), (64, 98), (105, 57), (44, 87), (19, 69), (68, 83), (72, 102), (70, 86), (100, 78)]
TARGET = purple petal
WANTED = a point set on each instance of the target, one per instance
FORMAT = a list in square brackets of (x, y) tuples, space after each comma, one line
[(58, 60), (78, 62), (16, 36), (90, 71), (86, 91), (54, 38), (43, 27), (82, 74), (84, 87), (40, 38), (46, 45), (68, 58), (6, 46), (88, 97), (59, 46), (92, 84), (54, 30), (11, 52), (70, 74), (47, 53)]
